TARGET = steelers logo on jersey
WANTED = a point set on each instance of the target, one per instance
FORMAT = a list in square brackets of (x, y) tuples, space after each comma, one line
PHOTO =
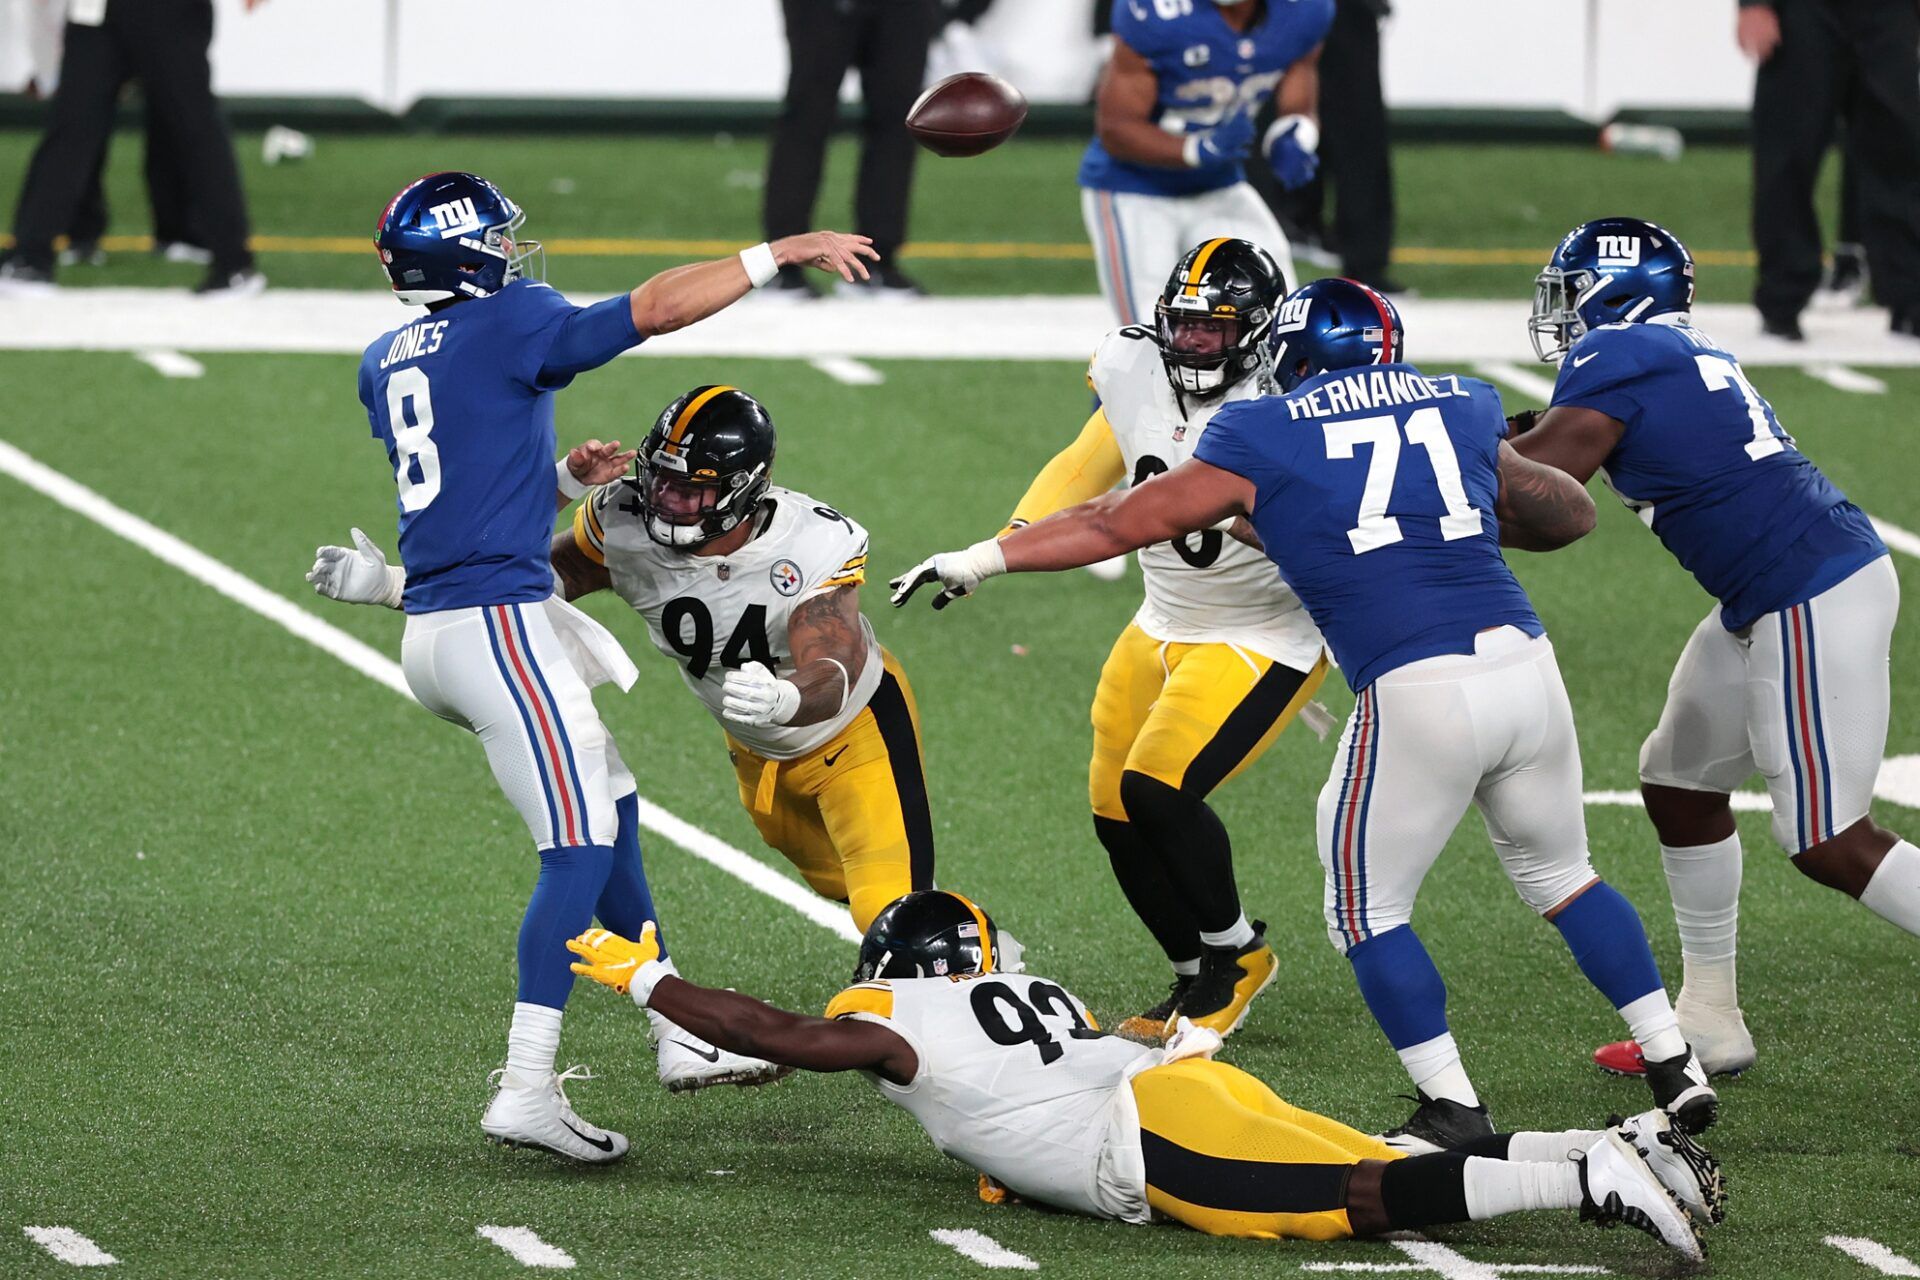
[(786, 577)]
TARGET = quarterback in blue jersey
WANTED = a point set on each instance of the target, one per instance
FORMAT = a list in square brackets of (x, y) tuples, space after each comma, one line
[(1787, 676), (1173, 129), (461, 400), (1384, 496)]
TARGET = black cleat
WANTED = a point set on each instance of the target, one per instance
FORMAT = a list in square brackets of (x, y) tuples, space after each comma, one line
[(1782, 325), (1439, 1124), (1150, 1027), (1681, 1090)]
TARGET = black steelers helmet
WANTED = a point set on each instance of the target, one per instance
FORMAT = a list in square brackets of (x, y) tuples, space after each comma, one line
[(705, 465), (929, 933), (1213, 315)]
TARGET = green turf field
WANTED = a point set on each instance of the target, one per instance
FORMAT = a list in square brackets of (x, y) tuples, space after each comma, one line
[(257, 944), (1458, 206)]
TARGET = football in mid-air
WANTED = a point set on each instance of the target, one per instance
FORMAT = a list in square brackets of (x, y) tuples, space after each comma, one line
[(966, 114)]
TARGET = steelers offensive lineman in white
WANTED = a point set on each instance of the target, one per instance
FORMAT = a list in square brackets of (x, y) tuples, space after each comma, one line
[(462, 400), (1010, 1075), (1220, 657), (1173, 127)]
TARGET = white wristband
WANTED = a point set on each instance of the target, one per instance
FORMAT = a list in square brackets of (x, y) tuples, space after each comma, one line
[(984, 559), (570, 487), (1306, 133), (396, 585), (759, 264), (1190, 151)]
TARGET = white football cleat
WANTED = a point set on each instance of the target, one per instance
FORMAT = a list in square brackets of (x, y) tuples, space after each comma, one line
[(1718, 1035), (1683, 1166), (1619, 1187), (535, 1113), (687, 1062), (1011, 957)]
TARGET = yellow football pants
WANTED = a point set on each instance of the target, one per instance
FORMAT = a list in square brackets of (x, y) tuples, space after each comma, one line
[(851, 815), (1227, 1156), (1190, 715)]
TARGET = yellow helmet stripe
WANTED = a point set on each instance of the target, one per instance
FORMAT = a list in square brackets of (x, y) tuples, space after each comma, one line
[(986, 933), (694, 406), (1198, 271)]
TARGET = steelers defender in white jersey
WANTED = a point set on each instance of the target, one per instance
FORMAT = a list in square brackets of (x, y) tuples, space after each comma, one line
[(1010, 1075), (755, 591), (1220, 656)]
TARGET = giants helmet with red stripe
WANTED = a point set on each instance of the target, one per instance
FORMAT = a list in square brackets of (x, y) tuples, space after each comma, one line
[(1334, 324)]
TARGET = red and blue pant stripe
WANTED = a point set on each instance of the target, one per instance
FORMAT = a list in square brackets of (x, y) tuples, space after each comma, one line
[(1806, 726), (1350, 820), (546, 728)]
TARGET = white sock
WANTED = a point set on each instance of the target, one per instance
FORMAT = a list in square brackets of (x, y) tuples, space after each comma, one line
[(1495, 1187), (1238, 935), (1544, 1148), (533, 1040), (1187, 968), (1435, 1068), (1651, 1020), (1705, 883), (1894, 892)]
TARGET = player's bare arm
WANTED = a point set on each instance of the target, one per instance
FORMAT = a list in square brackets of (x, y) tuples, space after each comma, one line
[(574, 572), (685, 295), (729, 1019), (1191, 497), (1123, 113), (1575, 440), (1298, 93), (829, 649), (1540, 508)]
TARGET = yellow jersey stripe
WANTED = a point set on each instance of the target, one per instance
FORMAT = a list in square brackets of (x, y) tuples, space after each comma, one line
[(594, 526), (877, 1001), (853, 579), (858, 562), (694, 406), (584, 539), (1198, 271)]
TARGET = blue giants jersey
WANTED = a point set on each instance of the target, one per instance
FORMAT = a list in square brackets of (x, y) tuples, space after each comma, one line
[(1707, 466), (462, 399), (1375, 490), (1205, 69)]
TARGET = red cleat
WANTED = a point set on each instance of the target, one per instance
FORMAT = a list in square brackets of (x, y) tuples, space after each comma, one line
[(1622, 1058)]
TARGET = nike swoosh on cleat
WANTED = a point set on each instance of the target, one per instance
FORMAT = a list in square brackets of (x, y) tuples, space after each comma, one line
[(603, 1144), (829, 759), (710, 1054)]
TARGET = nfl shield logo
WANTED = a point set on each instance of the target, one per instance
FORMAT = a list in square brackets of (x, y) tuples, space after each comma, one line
[(939, 967), (723, 571)]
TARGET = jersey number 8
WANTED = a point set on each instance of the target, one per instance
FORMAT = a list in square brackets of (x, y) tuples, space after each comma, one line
[(413, 441)]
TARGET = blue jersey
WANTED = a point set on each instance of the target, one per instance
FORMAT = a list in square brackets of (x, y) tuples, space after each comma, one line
[(1706, 464), (1374, 493), (1205, 70), (462, 399)]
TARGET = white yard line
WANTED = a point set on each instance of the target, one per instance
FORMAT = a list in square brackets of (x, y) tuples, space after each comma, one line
[(1874, 1254), (1430, 1257), (171, 364), (1533, 384), (376, 666), (983, 1249), (526, 1248), (855, 373), (1842, 378), (69, 1246), (1907, 544)]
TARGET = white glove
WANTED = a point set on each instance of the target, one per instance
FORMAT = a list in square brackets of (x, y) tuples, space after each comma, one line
[(754, 695), (959, 572), (360, 576)]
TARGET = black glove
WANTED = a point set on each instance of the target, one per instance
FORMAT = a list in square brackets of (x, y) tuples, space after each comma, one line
[(1522, 422)]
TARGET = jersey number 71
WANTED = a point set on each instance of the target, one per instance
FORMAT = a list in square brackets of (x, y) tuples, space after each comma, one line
[(1426, 428)]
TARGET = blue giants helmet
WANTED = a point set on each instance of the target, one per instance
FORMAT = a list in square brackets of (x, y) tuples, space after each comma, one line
[(1608, 271), (450, 235), (1334, 324)]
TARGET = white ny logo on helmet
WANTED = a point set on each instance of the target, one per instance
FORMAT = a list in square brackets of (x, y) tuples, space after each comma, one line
[(456, 217), (1292, 314), (1618, 251)]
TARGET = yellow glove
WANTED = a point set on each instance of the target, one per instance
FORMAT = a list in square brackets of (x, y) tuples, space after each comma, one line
[(612, 961)]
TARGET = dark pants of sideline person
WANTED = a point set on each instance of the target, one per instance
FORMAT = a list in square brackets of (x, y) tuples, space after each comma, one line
[(887, 41), (162, 44), (1860, 57)]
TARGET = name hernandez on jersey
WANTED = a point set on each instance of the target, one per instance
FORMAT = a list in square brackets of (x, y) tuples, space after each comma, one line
[(712, 614), (1204, 70), (1017, 1081), (1704, 462), (1206, 588)]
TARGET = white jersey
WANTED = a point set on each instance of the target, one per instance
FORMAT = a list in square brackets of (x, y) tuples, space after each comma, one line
[(1015, 1081), (1207, 587), (713, 614)]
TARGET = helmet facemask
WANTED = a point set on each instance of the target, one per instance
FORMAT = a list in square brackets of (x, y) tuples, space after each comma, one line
[(1205, 351), (687, 512), (1556, 324)]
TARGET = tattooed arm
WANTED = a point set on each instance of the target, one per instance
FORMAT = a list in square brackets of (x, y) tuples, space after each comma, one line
[(829, 648), (574, 573), (1540, 508)]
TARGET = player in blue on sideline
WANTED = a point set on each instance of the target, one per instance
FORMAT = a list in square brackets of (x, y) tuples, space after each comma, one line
[(1787, 676), (462, 401), (1384, 496)]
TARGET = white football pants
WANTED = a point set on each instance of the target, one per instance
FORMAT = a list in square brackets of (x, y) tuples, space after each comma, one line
[(1139, 239)]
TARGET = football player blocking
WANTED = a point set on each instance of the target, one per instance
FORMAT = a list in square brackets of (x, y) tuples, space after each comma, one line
[(487, 645), (1220, 657), (1010, 1075), (1788, 675), (1387, 521)]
